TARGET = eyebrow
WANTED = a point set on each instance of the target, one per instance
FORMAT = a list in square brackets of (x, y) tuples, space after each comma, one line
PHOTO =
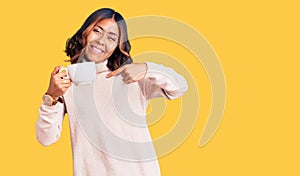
[(108, 32)]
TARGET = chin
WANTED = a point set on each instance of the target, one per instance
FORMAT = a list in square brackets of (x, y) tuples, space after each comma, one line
[(98, 60), (95, 59)]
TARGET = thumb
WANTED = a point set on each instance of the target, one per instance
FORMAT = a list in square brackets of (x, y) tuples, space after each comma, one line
[(115, 72)]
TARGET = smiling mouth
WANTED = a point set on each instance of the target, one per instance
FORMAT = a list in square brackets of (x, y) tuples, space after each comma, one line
[(97, 50)]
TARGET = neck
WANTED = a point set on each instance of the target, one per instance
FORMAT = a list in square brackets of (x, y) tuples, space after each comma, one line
[(83, 58)]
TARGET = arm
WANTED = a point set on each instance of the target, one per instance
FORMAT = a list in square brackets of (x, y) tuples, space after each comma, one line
[(154, 80), (49, 123), (161, 81)]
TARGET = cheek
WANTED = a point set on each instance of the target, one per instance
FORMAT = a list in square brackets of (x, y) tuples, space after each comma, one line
[(90, 37), (111, 47)]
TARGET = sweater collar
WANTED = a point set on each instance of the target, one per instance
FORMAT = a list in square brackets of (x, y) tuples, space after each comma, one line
[(101, 67)]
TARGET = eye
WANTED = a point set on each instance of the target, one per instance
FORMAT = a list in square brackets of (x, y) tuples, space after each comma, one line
[(112, 39), (98, 31)]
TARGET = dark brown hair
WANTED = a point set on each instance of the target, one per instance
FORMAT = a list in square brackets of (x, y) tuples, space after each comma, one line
[(120, 56)]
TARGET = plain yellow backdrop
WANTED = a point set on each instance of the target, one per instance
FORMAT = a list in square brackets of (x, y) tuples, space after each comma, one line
[(258, 46)]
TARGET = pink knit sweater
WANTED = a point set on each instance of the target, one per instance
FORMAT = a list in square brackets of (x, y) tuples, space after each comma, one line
[(109, 133)]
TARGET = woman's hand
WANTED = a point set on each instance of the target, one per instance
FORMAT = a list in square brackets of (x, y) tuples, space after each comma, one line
[(58, 85), (130, 72)]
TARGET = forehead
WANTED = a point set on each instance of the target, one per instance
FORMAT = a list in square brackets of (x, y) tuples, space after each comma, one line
[(108, 25)]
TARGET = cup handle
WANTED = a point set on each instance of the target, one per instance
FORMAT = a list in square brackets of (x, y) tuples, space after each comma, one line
[(63, 69)]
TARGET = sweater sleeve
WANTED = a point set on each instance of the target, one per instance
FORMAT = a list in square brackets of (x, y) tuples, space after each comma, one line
[(49, 123), (161, 81)]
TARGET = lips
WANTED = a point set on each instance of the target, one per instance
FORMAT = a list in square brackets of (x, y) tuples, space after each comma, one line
[(97, 50)]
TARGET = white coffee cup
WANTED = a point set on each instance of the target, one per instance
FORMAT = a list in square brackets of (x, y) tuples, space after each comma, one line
[(81, 73)]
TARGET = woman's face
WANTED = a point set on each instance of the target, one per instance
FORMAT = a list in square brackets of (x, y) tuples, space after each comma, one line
[(102, 40)]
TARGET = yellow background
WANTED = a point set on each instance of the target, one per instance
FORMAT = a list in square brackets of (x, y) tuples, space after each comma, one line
[(258, 46)]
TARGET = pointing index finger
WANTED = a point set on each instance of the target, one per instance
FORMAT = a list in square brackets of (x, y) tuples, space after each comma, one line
[(115, 72)]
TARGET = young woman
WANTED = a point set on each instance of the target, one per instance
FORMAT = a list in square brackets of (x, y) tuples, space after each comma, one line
[(119, 143)]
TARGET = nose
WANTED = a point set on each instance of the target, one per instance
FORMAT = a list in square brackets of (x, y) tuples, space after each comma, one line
[(101, 40)]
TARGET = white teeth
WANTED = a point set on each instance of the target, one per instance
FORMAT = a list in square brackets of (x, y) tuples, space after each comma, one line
[(98, 49)]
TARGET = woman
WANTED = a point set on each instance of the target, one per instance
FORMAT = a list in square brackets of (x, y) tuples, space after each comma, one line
[(120, 145)]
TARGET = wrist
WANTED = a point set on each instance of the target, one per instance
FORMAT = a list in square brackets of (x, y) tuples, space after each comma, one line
[(50, 100), (51, 95)]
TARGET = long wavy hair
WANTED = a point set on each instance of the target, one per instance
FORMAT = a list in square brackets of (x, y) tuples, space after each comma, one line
[(120, 56)]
